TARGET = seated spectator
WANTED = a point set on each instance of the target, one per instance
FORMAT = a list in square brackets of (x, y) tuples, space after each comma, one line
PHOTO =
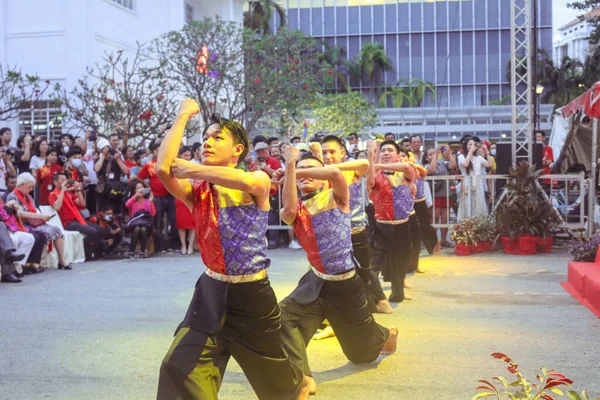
[(9, 215), (38, 160), (108, 220), (36, 221), (11, 184), (67, 199), (141, 213), (74, 165), (23, 153), (9, 255), (45, 176), (183, 215)]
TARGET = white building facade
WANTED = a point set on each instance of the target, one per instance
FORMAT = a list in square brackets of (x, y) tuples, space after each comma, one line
[(572, 39), (58, 39)]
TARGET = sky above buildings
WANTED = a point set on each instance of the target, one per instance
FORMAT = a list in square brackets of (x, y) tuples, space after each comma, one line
[(561, 14)]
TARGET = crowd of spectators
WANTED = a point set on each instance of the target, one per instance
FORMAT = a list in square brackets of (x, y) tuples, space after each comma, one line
[(109, 191)]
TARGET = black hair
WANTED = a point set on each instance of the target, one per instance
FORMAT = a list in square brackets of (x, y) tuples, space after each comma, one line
[(316, 139), (20, 141), (333, 138), (308, 156), (405, 140), (465, 144), (465, 139), (113, 134), (353, 134), (183, 149), (5, 129), (390, 133), (296, 137), (134, 184), (138, 154), (154, 144), (240, 136), (125, 148), (107, 207), (59, 173), (73, 151), (51, 149), (258, 139), (65, 135), (196, 146), (416, 136), (393, 143), (536, 132), (271, 140), (360, 151)]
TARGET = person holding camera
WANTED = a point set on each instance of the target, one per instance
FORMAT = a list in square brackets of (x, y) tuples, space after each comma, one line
[(471, 167), (109, 167), (141, 212), (45, 175), (108, 220), (67, 199), (74, 165)]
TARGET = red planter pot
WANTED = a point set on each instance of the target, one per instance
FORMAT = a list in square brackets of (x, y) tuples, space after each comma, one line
[(527, 245), (544, 245), (511, 246), (481, 247), (462, 250), (488, 246)]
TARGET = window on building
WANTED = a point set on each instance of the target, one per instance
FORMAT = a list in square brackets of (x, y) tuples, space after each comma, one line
[(43, 118), (189, 13), (125, 3)]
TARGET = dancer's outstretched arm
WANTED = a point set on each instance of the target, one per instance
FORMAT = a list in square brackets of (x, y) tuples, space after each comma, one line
[(406, 168), (169, 149), (290, 191), (361, 167), (334, 176)]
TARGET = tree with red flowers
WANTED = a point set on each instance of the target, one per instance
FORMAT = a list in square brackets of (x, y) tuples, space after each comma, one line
[(246, 75), (18, 91), (129, 95)]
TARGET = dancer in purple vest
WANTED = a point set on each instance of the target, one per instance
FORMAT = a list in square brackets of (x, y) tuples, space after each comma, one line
[(234, 310), (331, 288)]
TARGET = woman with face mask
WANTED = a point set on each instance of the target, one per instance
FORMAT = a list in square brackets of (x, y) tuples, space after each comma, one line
[(74, 165)]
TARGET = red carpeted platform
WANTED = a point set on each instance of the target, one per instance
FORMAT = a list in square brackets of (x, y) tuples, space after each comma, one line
[(584, 283)]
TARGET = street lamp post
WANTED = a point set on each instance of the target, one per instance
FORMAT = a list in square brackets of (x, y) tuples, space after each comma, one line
[(539, 89)]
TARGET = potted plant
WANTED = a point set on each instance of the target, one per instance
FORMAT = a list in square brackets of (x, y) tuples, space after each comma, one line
[(485, 233), (463, 234), (525, 217)]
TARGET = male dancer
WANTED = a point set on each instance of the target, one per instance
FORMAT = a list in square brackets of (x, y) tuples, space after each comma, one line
[(392, 192), (234, 311), (333, 152), (330, 289)]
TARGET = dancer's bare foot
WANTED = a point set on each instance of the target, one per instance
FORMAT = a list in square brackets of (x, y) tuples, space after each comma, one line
[(407, 284), (407, 297), (312, 388), (437, 248), (304, 391), (391, 343), (420, 271), (327, 332), (384, 307)]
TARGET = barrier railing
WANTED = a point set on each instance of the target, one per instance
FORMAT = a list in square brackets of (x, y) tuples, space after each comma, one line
[(459, 197)]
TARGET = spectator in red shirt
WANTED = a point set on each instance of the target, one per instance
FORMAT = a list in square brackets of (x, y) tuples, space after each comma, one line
[(164, 202), (264, 162), (45, 175), (547, 155), (67, 199)]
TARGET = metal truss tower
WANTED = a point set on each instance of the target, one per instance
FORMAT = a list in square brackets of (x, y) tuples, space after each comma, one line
[(521, 80)]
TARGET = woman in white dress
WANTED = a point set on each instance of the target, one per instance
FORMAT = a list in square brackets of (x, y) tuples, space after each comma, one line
[(471, 167)]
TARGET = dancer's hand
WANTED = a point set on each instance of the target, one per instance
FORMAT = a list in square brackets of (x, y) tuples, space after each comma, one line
[(189, 107), (182, 169), (372, 150), (278, 175), (291, 154)]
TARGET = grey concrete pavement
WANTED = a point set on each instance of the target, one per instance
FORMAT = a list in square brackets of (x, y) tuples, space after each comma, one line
[(101, 330)]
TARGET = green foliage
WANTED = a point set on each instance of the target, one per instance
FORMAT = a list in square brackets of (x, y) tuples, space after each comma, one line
[(546, 386), (18, 90), (128, 95), (474, 230), (249, 75), (524, 210), (260, 15), (505, 100), (342, 114), (407, 92)]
